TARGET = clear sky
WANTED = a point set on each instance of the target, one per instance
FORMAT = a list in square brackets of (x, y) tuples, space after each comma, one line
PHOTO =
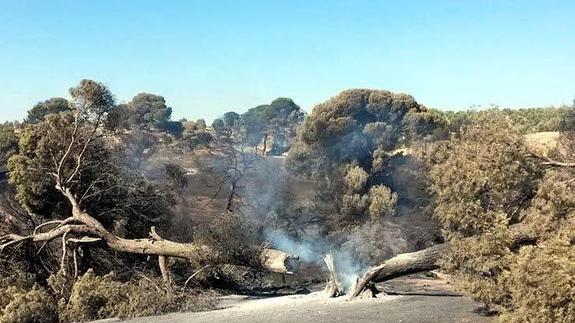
[(208, 57)]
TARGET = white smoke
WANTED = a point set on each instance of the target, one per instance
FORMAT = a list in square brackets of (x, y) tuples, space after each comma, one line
[(313, 250)]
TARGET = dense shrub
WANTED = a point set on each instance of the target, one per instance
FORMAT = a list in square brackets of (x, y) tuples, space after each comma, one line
[(33, 306), (94, 297), (528, 120), (484, 182), (22, 300), (91, 297), (230, 238), (543, 281)]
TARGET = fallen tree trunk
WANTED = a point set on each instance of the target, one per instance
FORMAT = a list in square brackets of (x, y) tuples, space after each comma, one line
[(423, 260), (400, 265), (83, 227), (270, 259)]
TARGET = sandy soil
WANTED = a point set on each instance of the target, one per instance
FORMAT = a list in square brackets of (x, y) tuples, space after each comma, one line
[(310, 308), (426, 306)]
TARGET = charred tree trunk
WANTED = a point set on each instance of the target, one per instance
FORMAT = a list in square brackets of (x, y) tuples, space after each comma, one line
[(403, 264), (426, 259), (231, 196), (333, 288)]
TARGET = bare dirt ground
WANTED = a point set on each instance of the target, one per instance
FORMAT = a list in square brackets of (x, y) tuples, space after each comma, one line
[(423, 305)]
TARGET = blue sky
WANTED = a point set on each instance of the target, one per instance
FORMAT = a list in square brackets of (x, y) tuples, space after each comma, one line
[(208, 57)]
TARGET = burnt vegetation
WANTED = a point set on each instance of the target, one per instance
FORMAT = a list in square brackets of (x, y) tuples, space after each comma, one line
[(102, 202)]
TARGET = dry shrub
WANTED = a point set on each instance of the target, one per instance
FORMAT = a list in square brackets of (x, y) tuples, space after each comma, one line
[(485, 183), (22, 300), (232, 238), (382, 202), (96, 297), (355, 178), (91, 297), (34, 306), (481, 266), (543, 282)]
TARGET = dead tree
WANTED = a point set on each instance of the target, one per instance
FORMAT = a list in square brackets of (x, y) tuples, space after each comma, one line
[(333, 288), (227, 163)]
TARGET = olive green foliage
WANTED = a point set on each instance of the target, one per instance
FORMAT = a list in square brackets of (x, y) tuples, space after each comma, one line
[(231, 119), (115, 195), (364, 219), (353, 124), (528, 120), (537, 119), (380, 164), (145, 111), (232, 238), (91, 297), (33, 306), (381, 202), (149, 110), (355, 179), (359, 200), (543, 281), (484, 179), (280, 117), (8, 142), (350, 145), (22, 300), (350, 139), (195, 134), (39, 112), (91, 100), (94, 297), (219, 126), (39, 146), (484, 182)]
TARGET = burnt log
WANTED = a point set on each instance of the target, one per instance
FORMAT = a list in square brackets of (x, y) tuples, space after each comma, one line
[(423, 260)]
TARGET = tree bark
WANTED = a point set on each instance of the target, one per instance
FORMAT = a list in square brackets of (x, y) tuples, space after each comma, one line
[(333, 287), (83, 225), (426, 259), (165, 270), (230, 200), (400, 265), (557, 163)]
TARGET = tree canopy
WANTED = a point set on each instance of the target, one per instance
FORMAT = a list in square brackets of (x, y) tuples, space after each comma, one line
[(39, 111), (51, 149), (8, 143)]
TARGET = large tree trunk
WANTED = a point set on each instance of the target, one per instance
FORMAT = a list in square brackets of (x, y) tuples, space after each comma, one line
[(333, 287), (83, 225), (400, 265), (426, 259)]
